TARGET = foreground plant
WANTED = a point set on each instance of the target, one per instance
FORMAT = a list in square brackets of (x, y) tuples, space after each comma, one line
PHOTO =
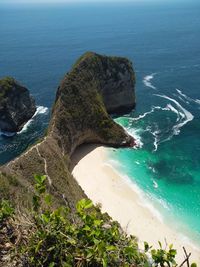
[(88, 239), (94, 240), (6, 210)]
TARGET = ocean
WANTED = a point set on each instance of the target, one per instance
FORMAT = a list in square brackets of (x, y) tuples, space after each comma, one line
[(39, 44)]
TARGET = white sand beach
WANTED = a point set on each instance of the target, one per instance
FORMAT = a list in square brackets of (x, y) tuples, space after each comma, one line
[(102, 184)]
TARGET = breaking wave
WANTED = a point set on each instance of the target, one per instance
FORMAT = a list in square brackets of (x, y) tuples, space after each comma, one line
[(147, 81), (183, 116), (147, 113), (187, 98), (7, 134), (144, 199), (39, 110), (186, 116), (135, 133)]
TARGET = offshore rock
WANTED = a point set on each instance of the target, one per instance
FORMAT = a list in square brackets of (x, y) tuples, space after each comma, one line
[(16, 105)]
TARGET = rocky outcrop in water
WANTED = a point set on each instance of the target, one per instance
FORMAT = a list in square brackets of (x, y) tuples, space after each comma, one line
[(16, 105), (79, 116)]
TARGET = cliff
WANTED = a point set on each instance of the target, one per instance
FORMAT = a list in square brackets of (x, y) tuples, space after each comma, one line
[(114, 77), (79, 116), (16, 105)]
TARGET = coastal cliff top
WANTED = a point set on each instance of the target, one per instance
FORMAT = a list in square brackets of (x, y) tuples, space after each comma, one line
[(96, 86), (9, 85), (79, 116)]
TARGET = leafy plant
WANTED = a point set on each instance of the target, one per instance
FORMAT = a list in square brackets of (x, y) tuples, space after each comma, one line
[(91, 239), (6, 210), (161, 256), (94, 240)]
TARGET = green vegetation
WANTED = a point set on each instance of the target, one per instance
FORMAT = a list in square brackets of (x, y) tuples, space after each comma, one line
[(79, 107), (54, 235), (88, 238), (6, 210), (5, 85), (94, 240)]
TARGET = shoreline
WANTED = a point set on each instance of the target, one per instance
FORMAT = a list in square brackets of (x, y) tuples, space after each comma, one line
[(122, 200)]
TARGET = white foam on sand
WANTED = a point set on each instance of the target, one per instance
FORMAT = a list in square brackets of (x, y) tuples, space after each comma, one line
[(143, 199), (127, 203)]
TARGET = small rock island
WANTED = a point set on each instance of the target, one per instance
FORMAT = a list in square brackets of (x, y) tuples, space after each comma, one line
[(17, 106)]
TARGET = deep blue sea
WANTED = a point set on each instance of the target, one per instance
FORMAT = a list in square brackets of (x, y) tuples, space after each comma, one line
[(38, 45)]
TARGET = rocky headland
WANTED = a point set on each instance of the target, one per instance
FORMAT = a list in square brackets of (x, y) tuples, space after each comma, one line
[(95, 86), (17, 106)]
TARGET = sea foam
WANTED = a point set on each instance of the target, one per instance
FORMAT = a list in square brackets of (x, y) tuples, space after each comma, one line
[(142, 116), (187, 98), (135, 134), (147, 81), (197, 101), (7, 134), (144, 200), (185, 114), (39, 110)]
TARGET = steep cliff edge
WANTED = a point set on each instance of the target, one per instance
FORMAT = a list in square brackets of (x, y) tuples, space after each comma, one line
[(79, 116), (84, 97), (114, 77), (16, 105)]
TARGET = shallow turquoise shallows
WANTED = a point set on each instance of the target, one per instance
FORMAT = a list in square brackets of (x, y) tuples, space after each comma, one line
[(39, 44)]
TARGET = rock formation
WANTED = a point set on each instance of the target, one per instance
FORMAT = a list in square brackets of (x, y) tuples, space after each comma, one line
[(16, 105), (79, 116), (115, 80)]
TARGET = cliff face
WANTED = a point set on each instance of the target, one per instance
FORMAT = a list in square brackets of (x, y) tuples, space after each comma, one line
[(114, 78), (16, 105), (84, 98), (79, 116)]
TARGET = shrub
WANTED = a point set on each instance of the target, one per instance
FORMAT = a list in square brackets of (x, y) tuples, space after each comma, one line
[(6, 210), (89, 239)]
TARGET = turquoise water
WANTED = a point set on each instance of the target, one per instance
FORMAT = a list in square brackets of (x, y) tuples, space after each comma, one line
[(165, 164), (39, 44)]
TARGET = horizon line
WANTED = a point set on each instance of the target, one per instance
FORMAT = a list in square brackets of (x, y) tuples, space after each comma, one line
[(55, 2)]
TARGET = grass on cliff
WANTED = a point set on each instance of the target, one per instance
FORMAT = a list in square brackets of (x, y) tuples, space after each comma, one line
[(89, 238), (6, 84)]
